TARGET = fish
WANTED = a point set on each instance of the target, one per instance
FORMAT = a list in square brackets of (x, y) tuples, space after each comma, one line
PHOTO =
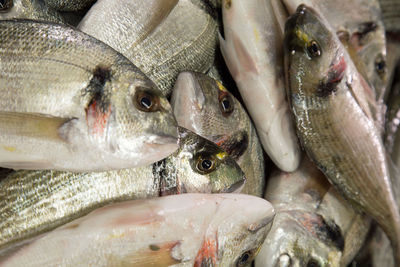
[(251, 47), (28, 9), (162, 38), (359, 26), (204, 106), (187, 229), (70, 102), (69, 5), (334, 121), (48, 199), (313, 224)]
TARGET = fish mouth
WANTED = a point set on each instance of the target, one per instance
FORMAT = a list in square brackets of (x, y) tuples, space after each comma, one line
[(187, 100), (236, 187)]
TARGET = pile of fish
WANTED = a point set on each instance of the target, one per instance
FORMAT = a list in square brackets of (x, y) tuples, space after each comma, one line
[(199, 133)]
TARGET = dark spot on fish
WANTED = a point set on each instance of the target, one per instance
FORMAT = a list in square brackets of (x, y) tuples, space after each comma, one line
[(154, 247), (333, 233), (95, 89), (325, 89), (5, 5), (236, 145), (313, 263), (367, 27), (335, 75)]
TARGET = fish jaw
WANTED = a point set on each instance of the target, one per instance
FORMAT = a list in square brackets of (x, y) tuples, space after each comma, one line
[(260, 82), (290, 242)]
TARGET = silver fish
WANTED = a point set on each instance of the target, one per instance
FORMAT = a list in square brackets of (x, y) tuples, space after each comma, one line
[(70, 102), (162, 38), (252, 49), (334, 121), (181, 230), (48, 199), (69, 5), (205, 106), (313, 223), (28, 9)]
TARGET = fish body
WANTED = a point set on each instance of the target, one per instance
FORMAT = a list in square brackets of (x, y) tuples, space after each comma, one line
[(252, 51), (313, 223), (188, 229), (162, 38), (205, 106), (70, 102), (69, 5), (28, 9), (48, 199), (334, 120)]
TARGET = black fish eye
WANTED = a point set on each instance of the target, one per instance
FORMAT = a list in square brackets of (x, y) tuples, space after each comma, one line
[(5, 5), (205, 164), (380, 65), (244, 258), (146, 101), (312, 263), (313, 49), (226, 105)]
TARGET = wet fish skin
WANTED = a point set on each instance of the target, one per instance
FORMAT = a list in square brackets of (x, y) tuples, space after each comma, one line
[(197, 101), (29, 9), (312, 222), (69, 5), (48, 199), (76, 103), (162, 38), (252, 51), (229, 228), (334, 121)]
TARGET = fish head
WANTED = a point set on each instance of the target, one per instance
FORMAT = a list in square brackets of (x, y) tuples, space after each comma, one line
[(132, 118), (313, 55), (241, 233), (201, 166), (299, 238), (204, 106)]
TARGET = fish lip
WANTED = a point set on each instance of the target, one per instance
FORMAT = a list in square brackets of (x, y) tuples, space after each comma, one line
[(162, 139), (236, 187), (255, 227)]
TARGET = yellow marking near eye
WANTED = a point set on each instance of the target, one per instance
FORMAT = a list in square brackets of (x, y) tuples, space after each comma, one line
[(221, 87), (9, 148), (302, 35), (256, 34), (222, 155)]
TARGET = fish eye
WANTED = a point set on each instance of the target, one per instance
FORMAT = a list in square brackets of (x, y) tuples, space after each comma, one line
[(380, 65), (313, 49), (226, 105), (244, 259), (312, 263), (146, 101), (5, 5), (205, 164)]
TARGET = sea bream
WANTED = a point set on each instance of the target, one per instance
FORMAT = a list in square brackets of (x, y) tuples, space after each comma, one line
[(252, 49), (48, 199), (181, 230), (313, 225), (28, 9), (161, 37), (205, 106), (70, 102), (334, 120)]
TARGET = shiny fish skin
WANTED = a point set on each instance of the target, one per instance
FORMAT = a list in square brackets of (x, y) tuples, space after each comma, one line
[(196, 102), (69, 5), (30, 9), (48, 199), (252, 51), (334, 121), (76, 103), (187, 230), (162, 38), (312, 222)]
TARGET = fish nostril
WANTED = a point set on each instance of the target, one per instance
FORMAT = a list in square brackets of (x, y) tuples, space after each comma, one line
[(284, 261)]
